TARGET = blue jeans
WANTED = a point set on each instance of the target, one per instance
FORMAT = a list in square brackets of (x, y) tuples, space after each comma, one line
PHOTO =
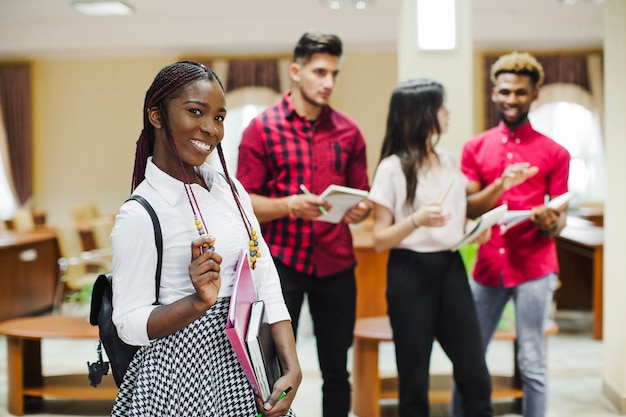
[(532, 301)]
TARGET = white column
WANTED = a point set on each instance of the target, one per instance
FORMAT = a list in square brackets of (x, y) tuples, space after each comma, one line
[(614, 376), (454, 69)]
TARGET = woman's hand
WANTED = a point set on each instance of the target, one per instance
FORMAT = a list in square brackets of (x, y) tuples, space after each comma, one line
[(204, 271), (430, 215), (290, 380), (280, 400)]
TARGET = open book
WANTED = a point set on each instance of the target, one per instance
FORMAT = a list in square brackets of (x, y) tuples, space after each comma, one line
[(341, 198), (244, 294), (483, 223), (514, 217), (262, 350)]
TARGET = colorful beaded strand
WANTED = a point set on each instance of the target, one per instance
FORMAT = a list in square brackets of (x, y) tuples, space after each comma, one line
[(197, 214), (254, 253), (254, 248), (204, 234)]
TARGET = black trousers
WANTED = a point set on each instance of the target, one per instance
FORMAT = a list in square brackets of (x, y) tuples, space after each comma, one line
[(428, 297), (332, 302)]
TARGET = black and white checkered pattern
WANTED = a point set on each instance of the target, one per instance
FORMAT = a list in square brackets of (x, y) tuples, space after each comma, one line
[(193, 372)]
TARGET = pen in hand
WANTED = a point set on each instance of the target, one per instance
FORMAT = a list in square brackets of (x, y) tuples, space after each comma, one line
[(445, 195), (280, 397), (307, 192)]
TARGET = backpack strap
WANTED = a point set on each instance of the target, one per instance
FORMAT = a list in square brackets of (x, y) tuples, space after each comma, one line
[(158, 239), (232, 183)]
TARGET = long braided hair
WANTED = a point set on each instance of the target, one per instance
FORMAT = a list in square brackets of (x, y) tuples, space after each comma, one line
[(167, 85)]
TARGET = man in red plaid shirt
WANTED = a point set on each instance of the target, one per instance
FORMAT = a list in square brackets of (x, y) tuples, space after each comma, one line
[(298, 141)]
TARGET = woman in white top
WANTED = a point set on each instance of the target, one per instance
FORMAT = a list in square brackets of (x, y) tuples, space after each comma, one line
[(185, 365), (420, 214)]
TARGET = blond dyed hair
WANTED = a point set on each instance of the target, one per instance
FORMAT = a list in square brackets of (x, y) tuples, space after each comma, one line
[(518, 63)]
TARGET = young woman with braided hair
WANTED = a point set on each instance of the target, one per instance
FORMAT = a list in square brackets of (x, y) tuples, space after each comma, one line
[(185, 365)]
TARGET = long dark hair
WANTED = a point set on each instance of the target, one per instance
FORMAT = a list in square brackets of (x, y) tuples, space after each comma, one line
[(167, 85), (411, 121)]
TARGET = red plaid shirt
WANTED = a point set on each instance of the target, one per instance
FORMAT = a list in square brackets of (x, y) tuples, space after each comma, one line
[(280, 150)]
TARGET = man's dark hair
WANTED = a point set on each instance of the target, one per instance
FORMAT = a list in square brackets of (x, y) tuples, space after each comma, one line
[(315, 43)]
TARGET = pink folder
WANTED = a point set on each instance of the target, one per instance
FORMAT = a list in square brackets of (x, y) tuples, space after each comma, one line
[(244, 294)]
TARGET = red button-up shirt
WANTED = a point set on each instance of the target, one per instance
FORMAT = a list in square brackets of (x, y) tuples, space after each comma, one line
[(280, 150), (522, 253)]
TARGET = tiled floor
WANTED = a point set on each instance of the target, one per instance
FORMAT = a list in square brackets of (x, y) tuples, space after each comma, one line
[(575, 363)]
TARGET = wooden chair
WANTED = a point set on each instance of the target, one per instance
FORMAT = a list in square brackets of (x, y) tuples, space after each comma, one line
[(87, 211), (101, 228), (78, 268), (23, 220)]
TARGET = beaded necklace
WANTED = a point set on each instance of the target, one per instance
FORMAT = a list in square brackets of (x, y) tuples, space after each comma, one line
[(254, 252)]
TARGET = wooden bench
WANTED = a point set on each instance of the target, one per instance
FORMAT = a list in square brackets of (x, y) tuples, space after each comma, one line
[(370, 387), (25, 377)]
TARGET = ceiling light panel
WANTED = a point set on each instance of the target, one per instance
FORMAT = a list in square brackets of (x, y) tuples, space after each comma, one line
[(103, 8), (346, 4)]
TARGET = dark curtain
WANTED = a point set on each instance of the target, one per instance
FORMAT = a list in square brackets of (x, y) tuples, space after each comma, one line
[(16, 97), (253, 73), (558, 68)]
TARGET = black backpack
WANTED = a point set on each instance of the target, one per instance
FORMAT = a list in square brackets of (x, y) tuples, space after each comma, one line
[(120, 354)]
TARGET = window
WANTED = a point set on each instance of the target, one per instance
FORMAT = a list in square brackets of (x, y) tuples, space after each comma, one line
[(236, 121), (578, 129), (436, 24), (7, 200), (243, 104)]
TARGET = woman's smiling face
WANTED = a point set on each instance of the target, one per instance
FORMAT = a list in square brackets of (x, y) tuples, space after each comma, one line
[(196, 120)]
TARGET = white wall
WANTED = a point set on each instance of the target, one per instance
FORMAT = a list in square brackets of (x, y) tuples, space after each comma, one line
[(454, 69), (614, 385)]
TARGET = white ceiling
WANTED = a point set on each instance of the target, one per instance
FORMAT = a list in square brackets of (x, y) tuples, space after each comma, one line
[(51, 28)]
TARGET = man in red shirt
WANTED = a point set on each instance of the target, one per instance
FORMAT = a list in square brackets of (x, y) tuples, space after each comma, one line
[(515, 165), (303, 141)]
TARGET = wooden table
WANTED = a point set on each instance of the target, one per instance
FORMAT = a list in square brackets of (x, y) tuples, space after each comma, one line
[(25, 377), (580, 251), (28, 272), (370, 387), (371, 275)]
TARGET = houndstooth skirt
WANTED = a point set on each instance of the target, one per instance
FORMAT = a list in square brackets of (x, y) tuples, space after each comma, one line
[(192, 373)]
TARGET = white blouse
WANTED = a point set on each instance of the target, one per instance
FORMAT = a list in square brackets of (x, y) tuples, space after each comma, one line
[(389, 190), (135, 255)]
